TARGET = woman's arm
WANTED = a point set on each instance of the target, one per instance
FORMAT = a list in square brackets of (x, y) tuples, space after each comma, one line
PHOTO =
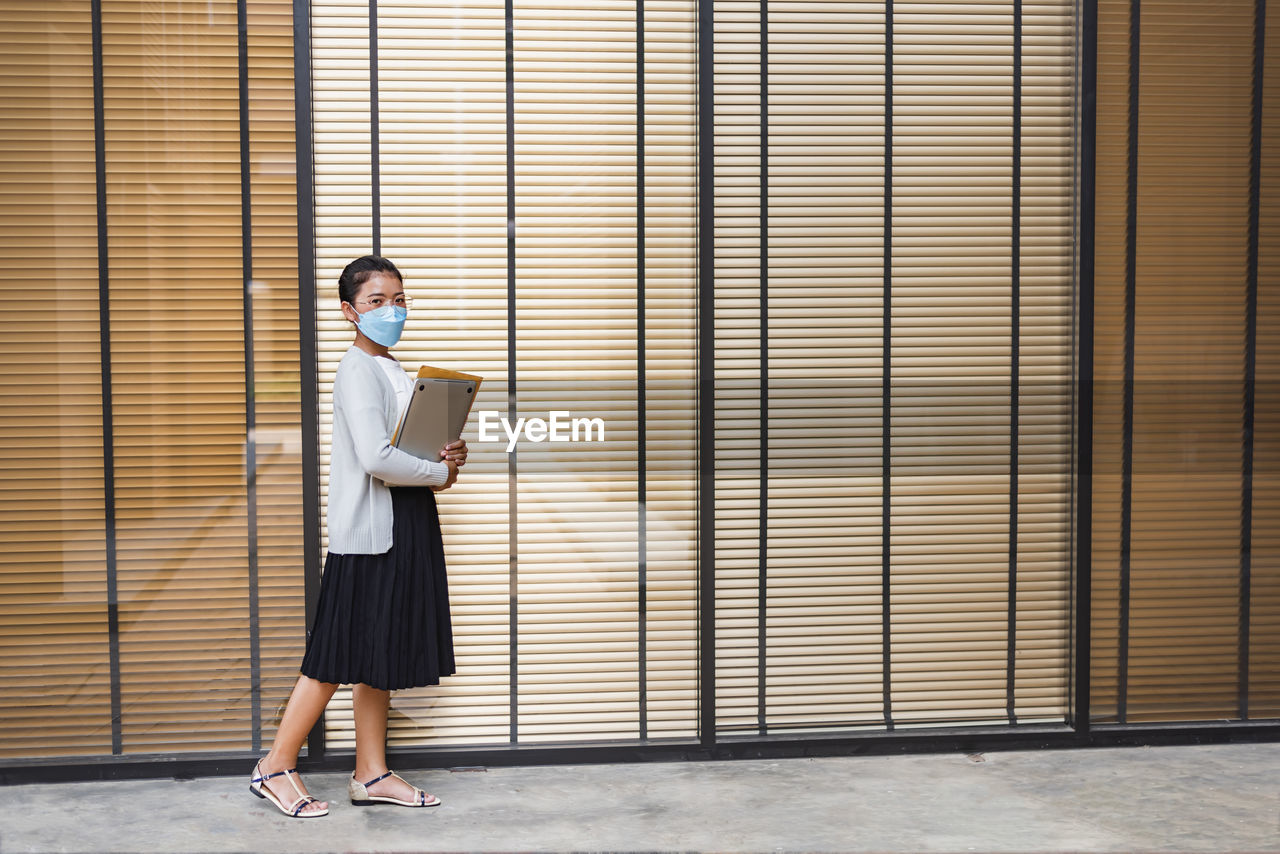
[(358, 401)]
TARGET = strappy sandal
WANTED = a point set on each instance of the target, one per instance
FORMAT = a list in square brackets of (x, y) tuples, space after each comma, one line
[(360, 793), (294, 810)]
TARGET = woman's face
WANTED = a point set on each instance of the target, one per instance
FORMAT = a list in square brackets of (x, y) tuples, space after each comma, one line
[(378, 290)]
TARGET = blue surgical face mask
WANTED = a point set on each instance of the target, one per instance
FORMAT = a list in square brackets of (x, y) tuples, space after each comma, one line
[(384, 324)]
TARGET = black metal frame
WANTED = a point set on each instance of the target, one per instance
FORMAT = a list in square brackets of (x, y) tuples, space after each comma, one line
[(250, 415), (1251, 356), (1130, 338), (1015, 336), (1079, 718), (1078, 731), (308, 378), (878, 743), (706, 379), (886, 389), (513, 506), (104, 339), (375, 143), (642, 438), (762, 533)]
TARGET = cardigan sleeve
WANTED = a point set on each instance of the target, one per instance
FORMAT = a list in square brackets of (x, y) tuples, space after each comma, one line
[(359, 400)]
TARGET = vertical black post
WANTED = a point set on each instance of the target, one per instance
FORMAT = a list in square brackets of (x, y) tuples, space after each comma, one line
[(886, 383), (513, 530), (308, 373), (1130, 327), (762, 594), (1082, 527), (250, 442), (1015, 309), (104, 338), (375, 144), (642, 547), (1250, 356), (706, 377)]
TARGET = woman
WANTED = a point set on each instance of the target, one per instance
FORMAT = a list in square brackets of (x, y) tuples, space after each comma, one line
[(382, 622)]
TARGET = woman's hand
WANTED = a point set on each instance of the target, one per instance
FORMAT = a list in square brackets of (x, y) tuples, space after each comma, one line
[(454, 456), (455, 452), (453, 476)]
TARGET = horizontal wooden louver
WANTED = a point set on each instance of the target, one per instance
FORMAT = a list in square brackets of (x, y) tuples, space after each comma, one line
[(177, 373), (441, 201), (811, 189), (913, 178), (1264, 634), (1171, 544), (278, 441), (55, 680), (154, 502)]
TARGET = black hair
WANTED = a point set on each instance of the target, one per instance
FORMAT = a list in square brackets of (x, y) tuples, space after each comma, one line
[(358, 272)]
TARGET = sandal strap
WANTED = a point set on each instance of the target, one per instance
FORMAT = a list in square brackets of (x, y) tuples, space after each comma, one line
[(378, 779), (419, 796), (296, 806), (266, 777), (290, 775)]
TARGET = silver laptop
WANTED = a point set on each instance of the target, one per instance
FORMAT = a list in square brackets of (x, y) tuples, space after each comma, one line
[(435, 416)]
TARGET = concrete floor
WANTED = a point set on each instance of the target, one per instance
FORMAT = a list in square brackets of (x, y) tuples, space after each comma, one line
[(1202, 798)]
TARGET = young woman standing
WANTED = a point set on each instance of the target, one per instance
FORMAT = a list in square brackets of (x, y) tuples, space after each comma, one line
[(382, 622)]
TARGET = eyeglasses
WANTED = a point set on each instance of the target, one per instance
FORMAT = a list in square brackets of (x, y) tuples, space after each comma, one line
[(378, 302)]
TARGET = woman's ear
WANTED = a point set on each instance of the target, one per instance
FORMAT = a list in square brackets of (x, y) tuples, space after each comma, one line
[(349, 312)]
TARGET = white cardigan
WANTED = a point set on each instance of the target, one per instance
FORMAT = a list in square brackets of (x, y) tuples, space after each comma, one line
[(363, 463)]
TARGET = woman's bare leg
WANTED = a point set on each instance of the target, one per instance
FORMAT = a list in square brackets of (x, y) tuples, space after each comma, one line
[(305, 704), (369, 706)]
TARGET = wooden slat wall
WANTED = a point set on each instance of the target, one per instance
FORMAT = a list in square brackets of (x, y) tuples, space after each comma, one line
[(1108, 348), (1045, 341), (1193, 158), (1181, 654), (180, 442), (671, 391), (578, 288), (186, 544), (173, 214), (951, 340), (809, 589), (1264, 625), (278, 436), (55, 679)]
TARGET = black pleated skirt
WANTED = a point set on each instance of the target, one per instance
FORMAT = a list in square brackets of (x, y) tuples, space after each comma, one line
[(383, 620)]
